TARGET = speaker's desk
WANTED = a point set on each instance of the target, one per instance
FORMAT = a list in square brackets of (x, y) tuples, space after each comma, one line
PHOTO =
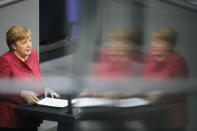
[(66, 119)]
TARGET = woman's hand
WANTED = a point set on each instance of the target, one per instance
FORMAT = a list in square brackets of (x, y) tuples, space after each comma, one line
[(51, 92), (30, 96)]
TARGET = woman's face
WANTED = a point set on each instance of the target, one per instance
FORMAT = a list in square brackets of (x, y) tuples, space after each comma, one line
[(160, 49), (119, 49), (23, 47)]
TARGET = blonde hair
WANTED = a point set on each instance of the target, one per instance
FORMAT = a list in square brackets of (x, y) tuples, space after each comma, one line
[(17, 33), (166, 33), (130, 34)]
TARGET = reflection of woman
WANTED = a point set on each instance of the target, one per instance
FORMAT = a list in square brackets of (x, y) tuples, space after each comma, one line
[(20, 63), (122, 56), (163, 62)]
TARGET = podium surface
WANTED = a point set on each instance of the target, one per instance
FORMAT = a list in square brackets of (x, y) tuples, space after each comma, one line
[(66, 119)]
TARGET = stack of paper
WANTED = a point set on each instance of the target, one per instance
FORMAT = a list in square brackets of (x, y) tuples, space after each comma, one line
[(131, 102), (53, 102), (92, 102), (89, 102)]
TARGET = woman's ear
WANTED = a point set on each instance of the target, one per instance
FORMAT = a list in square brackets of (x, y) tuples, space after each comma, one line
[(170, 46), (13, 46)]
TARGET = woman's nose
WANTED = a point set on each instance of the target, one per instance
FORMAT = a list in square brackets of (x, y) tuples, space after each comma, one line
[(29, 43)]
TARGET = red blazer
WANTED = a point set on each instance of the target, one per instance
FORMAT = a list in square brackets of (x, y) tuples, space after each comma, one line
[(117, 68), (13, 71), (174, 66)]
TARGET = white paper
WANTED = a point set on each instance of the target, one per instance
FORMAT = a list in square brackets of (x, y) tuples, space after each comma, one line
[(92, 102), (53, 102), (131, 102)]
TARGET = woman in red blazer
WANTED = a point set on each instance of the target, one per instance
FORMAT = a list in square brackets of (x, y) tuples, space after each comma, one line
[(163, 63), (122, 57), (19, 65)]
